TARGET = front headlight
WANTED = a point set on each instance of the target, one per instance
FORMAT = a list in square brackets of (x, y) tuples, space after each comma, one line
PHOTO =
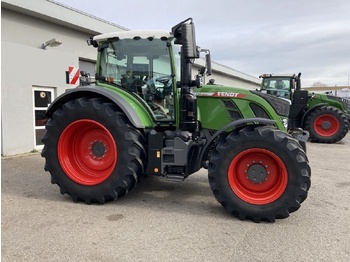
[(285, 122)]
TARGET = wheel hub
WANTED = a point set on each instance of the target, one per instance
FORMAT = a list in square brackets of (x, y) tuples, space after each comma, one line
[(326, 125), (257, 173), (98, 149)]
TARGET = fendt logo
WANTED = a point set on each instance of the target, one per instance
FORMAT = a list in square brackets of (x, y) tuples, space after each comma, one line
[(221, 94), (228, 94)]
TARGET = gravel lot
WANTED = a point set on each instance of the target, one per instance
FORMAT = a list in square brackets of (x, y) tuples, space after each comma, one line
[(165, 221)]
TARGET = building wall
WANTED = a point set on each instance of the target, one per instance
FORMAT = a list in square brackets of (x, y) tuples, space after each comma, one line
[(32, 32), (26, 65), (227, 80), (227, 76)]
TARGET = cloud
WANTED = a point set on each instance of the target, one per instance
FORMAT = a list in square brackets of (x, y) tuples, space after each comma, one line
[(308, 36)]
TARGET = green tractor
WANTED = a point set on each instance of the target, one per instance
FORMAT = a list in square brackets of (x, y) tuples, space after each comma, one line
[(145, 115), (324, 116)]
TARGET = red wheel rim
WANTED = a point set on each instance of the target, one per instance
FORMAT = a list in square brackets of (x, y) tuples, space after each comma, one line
[(87, 152), (326, 125), (268, 169)]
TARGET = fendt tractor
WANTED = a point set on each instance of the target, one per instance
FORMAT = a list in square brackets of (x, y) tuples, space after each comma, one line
[(145, 115), (324, 116)]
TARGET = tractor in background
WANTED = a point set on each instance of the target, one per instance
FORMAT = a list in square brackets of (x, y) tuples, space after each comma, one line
[(324, 116)]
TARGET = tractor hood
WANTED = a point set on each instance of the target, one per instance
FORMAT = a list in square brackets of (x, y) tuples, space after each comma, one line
[(339, 102)]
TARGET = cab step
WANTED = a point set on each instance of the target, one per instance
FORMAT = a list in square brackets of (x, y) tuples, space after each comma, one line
[(174, 177)]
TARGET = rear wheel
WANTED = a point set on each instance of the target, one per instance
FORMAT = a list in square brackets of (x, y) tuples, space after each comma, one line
[(259, 173), (92, 151), (327, 124)]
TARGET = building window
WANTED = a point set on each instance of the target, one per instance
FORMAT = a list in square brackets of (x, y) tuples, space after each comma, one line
[(42, 98), (87, 66)]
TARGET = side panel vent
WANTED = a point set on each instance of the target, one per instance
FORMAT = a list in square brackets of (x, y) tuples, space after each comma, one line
[(258, 111)]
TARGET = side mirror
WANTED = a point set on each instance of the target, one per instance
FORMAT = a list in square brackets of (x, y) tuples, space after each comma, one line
[(201, 71), (208, 64), (184, 34), (207, 61), (189, 46), (84, 73), (85, 78)]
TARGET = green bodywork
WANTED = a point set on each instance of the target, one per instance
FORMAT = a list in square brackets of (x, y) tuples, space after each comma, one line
[(323, 99), (214, 111), (210, 104)]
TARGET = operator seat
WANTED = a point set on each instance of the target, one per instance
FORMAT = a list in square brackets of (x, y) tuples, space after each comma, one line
[(279, 85), (132, 84)]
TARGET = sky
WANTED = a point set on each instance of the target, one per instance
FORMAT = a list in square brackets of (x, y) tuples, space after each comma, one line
[(251, 36)]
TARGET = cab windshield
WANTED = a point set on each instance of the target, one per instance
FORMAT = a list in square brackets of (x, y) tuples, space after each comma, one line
[(279, 87), (142, 67)]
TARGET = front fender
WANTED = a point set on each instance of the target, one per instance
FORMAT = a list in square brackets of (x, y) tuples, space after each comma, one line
[(308, 112), (131, 107), (231, 126)]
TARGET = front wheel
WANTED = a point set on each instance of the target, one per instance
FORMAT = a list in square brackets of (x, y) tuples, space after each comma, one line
[(92, 151), (259, 173), (327, 124)]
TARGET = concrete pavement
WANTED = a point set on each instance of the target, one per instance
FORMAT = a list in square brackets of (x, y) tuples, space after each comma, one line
[(165, 221)]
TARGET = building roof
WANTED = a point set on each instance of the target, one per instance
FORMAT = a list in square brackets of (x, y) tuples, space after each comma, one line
[(58, 13)]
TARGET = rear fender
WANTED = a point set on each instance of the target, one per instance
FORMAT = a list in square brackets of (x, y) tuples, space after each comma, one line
[(136, 113)]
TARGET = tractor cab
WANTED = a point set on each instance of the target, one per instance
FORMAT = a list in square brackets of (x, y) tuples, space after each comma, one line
[(280, 85), (149, 66), (141, 63)]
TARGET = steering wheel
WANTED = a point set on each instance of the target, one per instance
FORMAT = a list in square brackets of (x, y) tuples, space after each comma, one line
[(159, 91), (166, 81), (163, 79)]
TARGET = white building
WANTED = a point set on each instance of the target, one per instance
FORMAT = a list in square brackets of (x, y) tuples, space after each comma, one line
[(32, 75)]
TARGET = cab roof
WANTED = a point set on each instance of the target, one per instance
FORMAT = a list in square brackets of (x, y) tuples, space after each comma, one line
[(139, 34), (277, 75)]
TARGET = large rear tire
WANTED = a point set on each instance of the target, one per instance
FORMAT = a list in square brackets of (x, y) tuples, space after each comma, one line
[(92, 151), (259, 173), (327, 124)]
